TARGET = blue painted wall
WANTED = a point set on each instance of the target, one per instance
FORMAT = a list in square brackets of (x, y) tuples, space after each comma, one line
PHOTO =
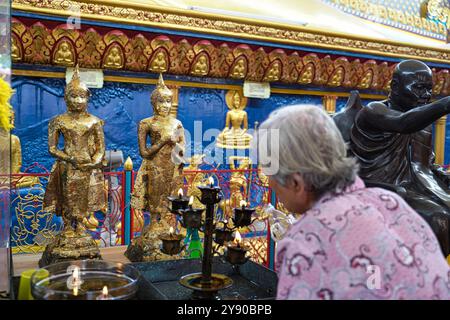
[(122, 106)]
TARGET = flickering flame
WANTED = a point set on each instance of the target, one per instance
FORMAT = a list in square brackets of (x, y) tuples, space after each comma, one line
[(105, 291), (191, 200), (211, 181), (171, 231), (237, 237), (180, 192), (76, 274), (243, 203)]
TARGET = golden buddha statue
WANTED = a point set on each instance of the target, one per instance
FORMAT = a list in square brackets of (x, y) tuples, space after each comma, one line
[(200, 68), (159, 63), (307, 75), (16, 162), (159, 176), (76, 186), (64, 55), (235, 135), (239, 69), (238, 187), (274, 72), (114, 59), (194, 180)]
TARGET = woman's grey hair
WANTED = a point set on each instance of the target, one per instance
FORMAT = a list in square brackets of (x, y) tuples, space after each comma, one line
[(310, 144)]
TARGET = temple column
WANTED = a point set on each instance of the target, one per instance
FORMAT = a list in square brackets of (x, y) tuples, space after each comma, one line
[(329, 104), (439, 140)]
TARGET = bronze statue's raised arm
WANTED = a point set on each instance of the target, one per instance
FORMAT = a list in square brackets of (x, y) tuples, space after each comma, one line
[(53, 138), (378, 116), (145, 152)]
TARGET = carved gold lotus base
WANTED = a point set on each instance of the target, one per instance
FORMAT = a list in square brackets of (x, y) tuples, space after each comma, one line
[(69, 245), (147, 246)]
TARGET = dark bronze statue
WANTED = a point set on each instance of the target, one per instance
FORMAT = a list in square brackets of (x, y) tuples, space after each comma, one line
[(393, 143)]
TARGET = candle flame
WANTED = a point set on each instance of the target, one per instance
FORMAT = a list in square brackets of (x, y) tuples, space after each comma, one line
[(191, 200), (76, 274), (171, 230), (211, 181), (180, 192), (243, 203), (75, 291), (237, 237), (105, 291)]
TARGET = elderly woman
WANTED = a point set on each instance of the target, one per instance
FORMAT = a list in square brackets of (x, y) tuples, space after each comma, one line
[(351, 242)]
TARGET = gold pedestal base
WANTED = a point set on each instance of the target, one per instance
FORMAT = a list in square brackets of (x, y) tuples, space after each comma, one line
[(70, 245), (147, 246)]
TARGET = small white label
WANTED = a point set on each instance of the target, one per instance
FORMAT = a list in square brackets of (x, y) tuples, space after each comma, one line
[(93, 78), (259, 90)]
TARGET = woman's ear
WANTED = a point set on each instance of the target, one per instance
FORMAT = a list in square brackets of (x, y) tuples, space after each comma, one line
[(296, 182)]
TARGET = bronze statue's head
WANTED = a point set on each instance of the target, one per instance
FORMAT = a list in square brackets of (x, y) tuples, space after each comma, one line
[(161, 98), (411, 84), (76, 94)]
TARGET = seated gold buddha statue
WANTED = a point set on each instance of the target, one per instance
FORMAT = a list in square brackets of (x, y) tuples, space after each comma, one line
[(64, 55), (238, 71), (114, 59), (159, 63), (200, 68), (235, 135), (274, 73)]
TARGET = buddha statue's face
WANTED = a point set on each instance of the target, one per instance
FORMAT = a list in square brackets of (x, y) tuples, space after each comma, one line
[(160, 56), (114, 52), (77, 100), (202, 60), (411, 85), (163, 105), (64, 47), (236, 101)]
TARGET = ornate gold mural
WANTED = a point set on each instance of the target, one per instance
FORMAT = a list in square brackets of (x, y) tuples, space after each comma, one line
[(117, 11)]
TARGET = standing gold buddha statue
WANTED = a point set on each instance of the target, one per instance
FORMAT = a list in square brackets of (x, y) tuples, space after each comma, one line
[(76, 186), (235, 135), (159, 176)]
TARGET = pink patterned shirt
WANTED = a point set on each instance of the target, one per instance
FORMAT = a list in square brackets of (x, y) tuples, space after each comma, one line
[(363, 243)]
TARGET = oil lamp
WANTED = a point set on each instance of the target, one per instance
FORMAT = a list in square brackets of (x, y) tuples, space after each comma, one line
[(104, 295), (236, 253), (243, 215), (192, 217), (85, 280), (210, 193), (171, 242), (224, 234), (178, 202)]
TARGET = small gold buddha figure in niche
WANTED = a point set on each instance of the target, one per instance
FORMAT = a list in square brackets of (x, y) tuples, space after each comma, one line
[(274, 72), (235, 135), (337, 78), (76, 186), (64, 55), (239, 69), (200, 68), (366, 81), (159, 176), (159, 63), (307, 75), (114, 59)]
